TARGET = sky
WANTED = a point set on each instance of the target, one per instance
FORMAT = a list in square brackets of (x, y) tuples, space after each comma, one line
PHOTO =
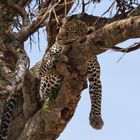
[(120, 91)]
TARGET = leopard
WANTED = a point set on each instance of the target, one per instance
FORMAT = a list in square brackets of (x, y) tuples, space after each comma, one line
[(72, 29), (7, 115), (50, 80), (7, 103)]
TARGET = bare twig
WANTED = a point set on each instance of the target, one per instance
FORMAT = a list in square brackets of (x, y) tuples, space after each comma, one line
[(65, 8), (131, 48), (56, 18), (44, 13), (43, 17), (83, 6), (36, 24), (105, 12)]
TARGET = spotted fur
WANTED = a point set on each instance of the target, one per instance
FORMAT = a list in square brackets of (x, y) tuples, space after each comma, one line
[(48, 59), (48, 84), (7, 117), (95, 90)]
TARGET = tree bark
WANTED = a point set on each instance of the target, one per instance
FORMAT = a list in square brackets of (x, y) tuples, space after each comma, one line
[(32, 122), (48, 124)]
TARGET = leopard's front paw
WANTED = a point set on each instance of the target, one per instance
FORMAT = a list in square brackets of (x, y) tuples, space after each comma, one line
[(96, 122)]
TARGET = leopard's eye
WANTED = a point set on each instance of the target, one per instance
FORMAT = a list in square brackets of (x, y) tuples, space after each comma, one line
[(58, 38), (90, 30)]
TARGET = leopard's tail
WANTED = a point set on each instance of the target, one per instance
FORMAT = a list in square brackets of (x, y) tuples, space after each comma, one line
[(7, 117)]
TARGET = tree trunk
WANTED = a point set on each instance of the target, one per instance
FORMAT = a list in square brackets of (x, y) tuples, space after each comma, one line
[(31, 121)]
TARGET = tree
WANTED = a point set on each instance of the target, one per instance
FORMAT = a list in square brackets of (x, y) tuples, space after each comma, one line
[(19, 20)]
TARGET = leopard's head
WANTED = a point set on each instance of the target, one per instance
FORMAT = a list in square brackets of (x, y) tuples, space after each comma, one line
[(73, 29)]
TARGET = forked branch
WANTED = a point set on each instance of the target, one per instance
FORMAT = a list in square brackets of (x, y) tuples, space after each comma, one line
[(131, 48)]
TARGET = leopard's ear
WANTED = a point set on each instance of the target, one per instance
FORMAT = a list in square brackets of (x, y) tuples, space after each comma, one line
[(60, 23), (90, 30)]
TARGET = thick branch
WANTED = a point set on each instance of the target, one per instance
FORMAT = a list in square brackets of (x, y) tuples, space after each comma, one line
[(117, 32), (48, 123), (26, 106), (110, 35), (16, 82), (30, 91)]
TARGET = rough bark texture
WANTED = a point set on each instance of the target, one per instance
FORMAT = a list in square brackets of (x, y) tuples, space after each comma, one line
[(32, 122), (48, 124), (51, 121)]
